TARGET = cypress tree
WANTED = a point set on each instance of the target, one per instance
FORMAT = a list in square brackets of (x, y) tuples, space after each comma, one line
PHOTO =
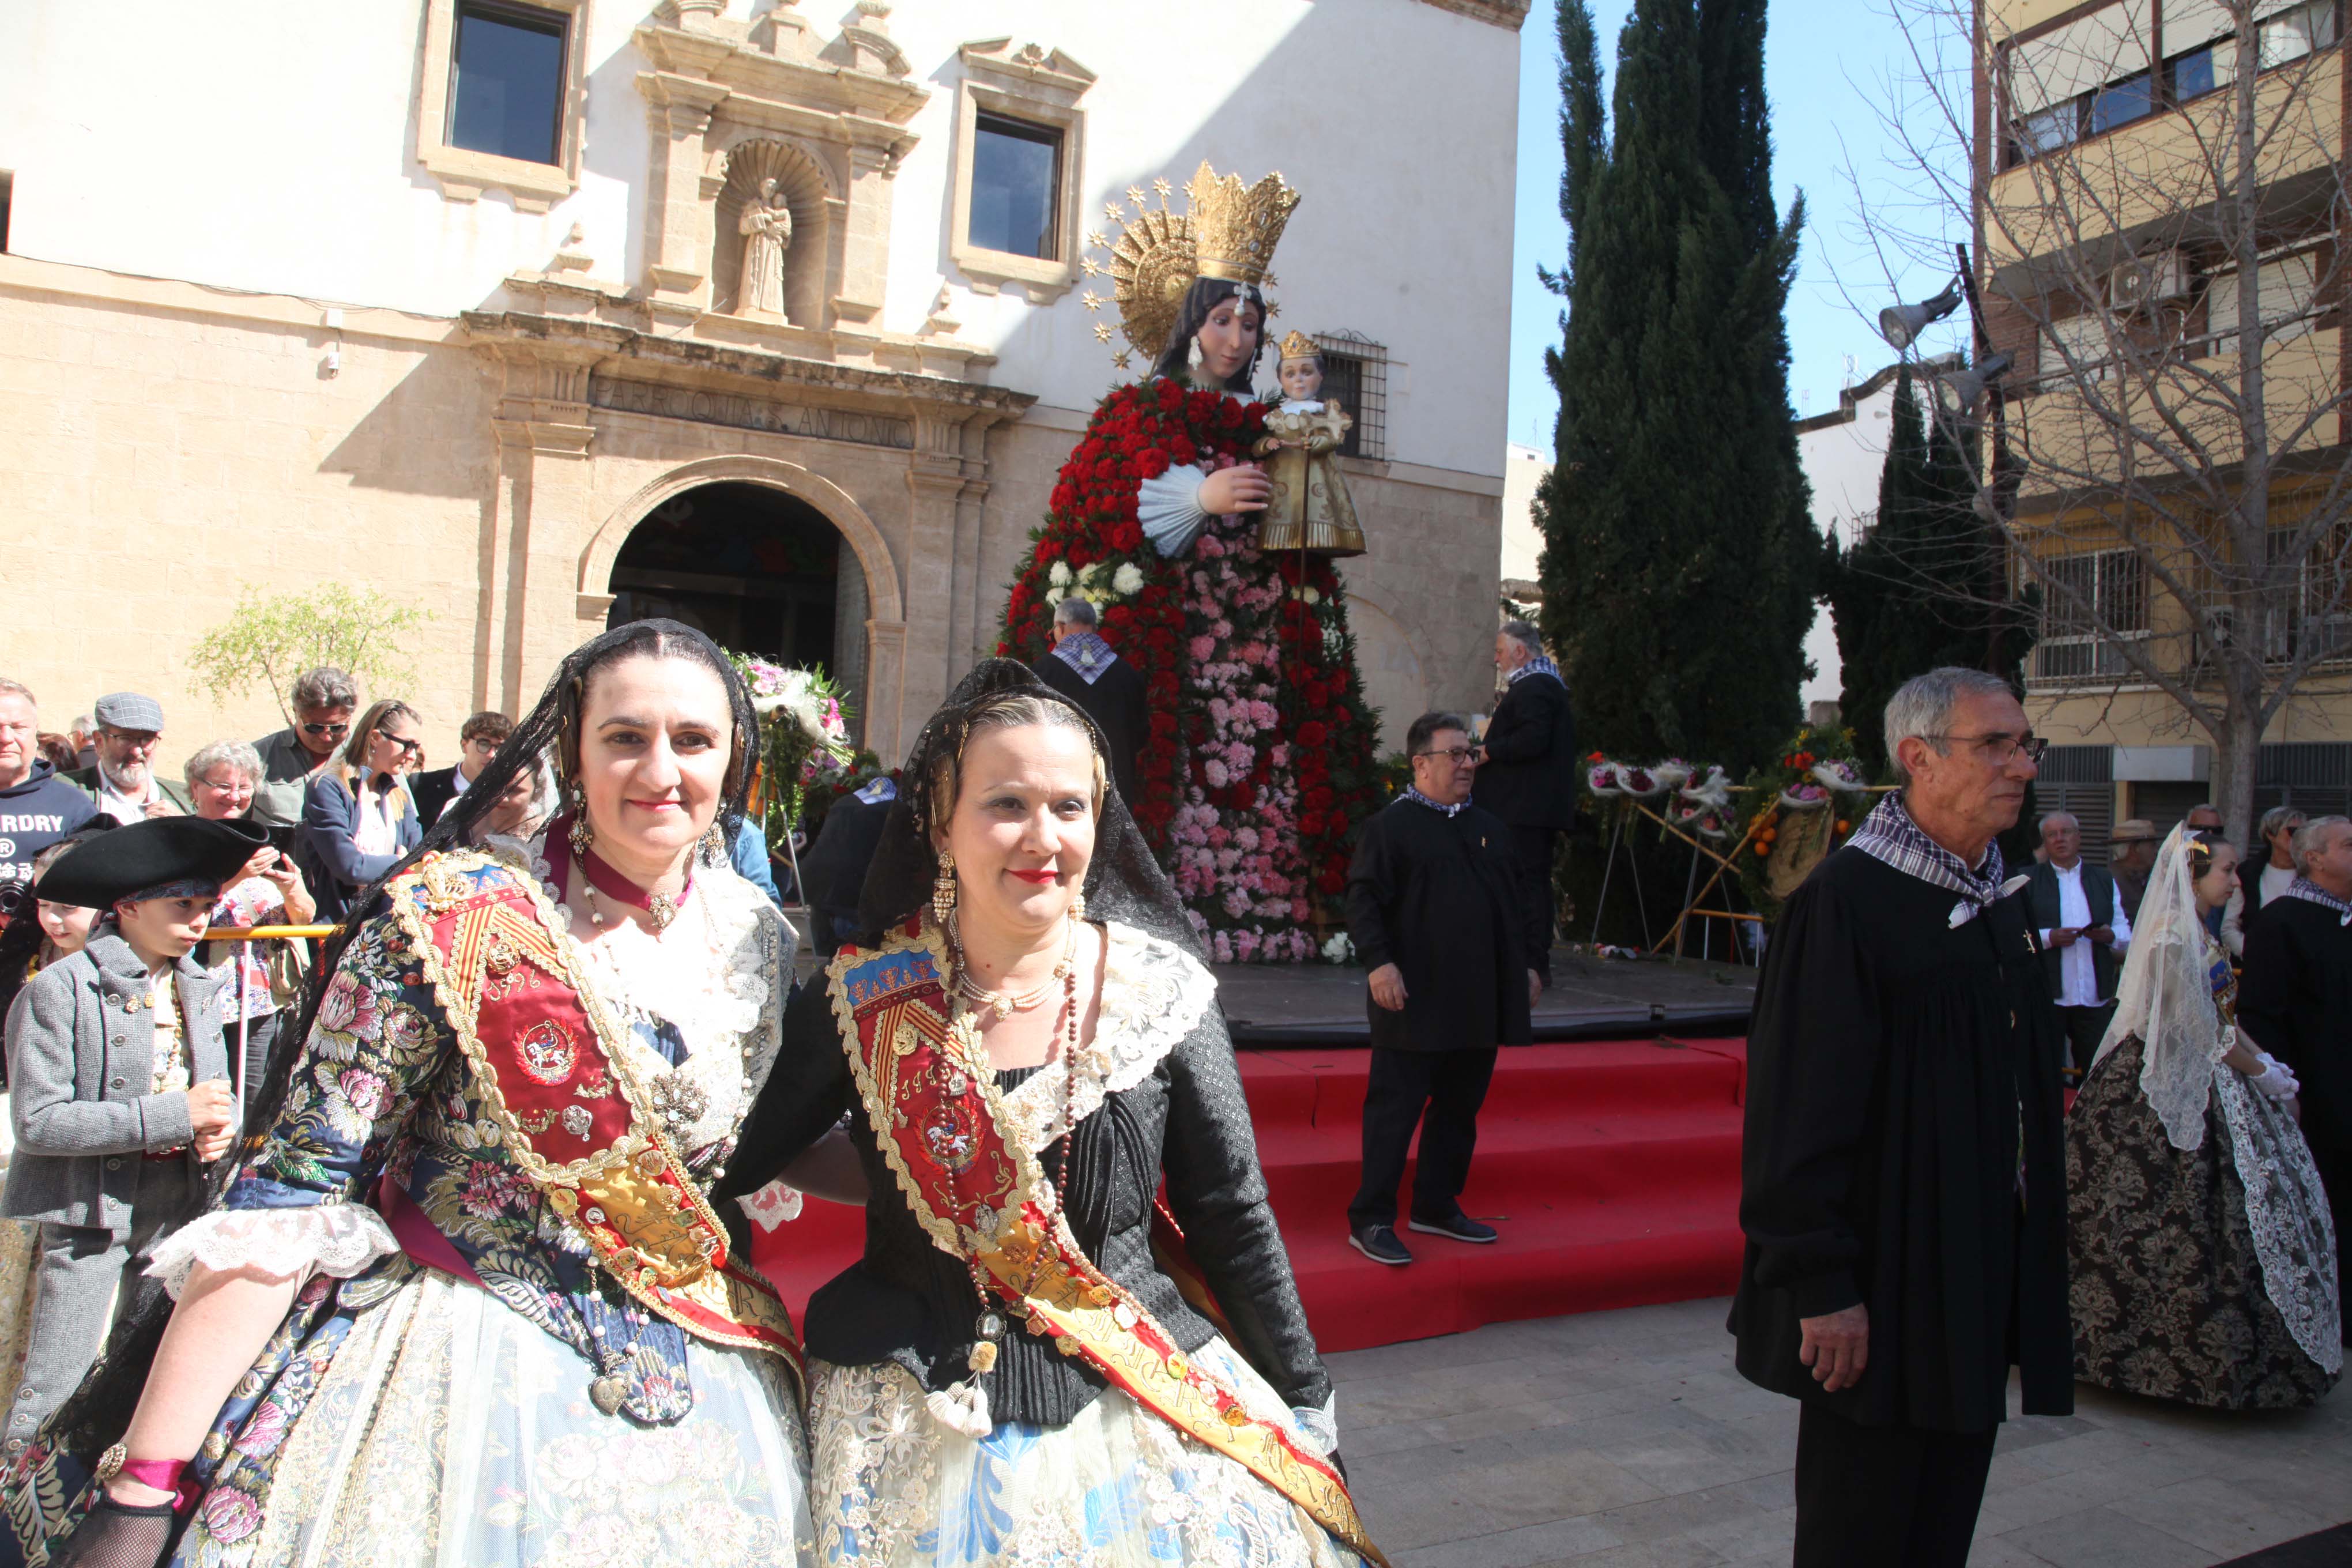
[(1679, 554), (1926, 587)]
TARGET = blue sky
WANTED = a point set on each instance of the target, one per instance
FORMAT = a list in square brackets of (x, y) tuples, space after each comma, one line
[(1825, 61)]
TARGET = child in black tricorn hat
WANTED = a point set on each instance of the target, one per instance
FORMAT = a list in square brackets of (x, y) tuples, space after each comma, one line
[(119, 1080)]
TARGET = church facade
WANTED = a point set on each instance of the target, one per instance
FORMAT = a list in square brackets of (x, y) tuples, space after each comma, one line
[(541, 314)]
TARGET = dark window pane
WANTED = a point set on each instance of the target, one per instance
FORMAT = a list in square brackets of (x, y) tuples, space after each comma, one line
[(1015, 177), (2121, 103), (506, 82), (2192, 73), (1343, 383)]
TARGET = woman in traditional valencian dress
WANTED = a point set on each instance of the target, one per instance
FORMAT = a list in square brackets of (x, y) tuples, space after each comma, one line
[(1025, 1367), (466, 1300), (2204, 1260), (1262, 752)]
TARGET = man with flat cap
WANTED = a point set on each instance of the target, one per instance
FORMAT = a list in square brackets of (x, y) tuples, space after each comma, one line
[(119, 1082), (122, 782)]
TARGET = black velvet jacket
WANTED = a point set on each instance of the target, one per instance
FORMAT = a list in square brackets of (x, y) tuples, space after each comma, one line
[(910, 1302)]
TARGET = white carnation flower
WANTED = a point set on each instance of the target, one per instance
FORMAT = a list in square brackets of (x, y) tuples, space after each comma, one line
[(1128, 580), (1059, 575)]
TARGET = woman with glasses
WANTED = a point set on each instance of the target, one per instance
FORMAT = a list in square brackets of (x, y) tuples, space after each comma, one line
[(269, 892), (359, 817)]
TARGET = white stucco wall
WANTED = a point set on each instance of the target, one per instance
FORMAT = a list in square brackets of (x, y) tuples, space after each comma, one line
[(271, 149)]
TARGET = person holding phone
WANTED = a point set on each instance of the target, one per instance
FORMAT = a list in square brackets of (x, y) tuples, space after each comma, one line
[(360, 817), (268, 890), (2078, 919)]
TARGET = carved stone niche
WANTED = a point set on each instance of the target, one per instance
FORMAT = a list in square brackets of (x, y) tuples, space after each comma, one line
[(732, 106), (808, 189)]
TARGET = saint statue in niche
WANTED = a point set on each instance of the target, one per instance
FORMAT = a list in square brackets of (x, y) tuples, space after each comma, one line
[(766, 226)]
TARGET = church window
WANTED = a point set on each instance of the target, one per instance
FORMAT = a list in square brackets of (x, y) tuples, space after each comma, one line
[(1356, 375), (505, 81), (1016, 182)]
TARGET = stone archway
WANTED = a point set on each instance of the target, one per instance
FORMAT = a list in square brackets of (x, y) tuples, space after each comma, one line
[(743, 546)]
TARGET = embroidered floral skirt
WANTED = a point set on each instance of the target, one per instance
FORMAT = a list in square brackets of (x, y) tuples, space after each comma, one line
[(1118, 1488), (408, 1418), (2173, 1296)]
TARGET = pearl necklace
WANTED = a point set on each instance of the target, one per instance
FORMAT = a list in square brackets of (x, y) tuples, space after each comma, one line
[(1004, 1003)]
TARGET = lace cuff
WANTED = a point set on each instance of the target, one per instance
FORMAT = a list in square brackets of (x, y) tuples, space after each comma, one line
[(1320, 1423), (1167, 507), (340, 1239)]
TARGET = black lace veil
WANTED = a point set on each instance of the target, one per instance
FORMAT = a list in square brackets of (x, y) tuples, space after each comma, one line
[(1124, 882)]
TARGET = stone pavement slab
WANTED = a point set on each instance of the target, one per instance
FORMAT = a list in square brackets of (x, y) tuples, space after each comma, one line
[(1626, 1440)]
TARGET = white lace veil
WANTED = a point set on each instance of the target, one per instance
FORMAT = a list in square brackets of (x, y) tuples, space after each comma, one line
[(2165, 999)]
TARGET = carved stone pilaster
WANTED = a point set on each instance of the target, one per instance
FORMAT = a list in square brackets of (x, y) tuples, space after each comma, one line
[(678, 231)]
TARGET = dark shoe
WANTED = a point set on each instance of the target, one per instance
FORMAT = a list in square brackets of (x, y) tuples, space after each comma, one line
[(1459, 1227), (1379, 1243)]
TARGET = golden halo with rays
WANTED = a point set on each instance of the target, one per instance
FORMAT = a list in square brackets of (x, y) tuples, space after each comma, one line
[(1153, 261)]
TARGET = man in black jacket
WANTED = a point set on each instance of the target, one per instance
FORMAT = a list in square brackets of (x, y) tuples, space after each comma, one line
[(2077, 914), (2295, 1002), (478, 742), (1903, 1170), (1526, 769), (1435, 912), (1087, 670)]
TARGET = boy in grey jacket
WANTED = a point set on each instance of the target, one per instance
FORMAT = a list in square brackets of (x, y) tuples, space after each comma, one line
[(120, 1086)]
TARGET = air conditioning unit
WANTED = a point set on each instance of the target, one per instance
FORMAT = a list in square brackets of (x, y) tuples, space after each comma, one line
[(2144, 279)]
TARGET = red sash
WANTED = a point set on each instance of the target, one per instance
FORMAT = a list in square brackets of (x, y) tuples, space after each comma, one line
[(545, 1059), (976, 1193)]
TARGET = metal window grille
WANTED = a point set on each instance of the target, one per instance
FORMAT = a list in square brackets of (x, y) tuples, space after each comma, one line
[(1356, 374), (2317, 616), (2312, 776), (2076, 645), (2080, 781)]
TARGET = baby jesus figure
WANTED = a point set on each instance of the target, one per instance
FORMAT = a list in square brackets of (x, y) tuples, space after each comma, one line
[(1310, 509)]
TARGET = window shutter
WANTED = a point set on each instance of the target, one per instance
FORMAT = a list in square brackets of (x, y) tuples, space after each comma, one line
[(2103, 46)]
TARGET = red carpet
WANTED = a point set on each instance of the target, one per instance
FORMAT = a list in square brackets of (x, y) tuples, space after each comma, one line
[(1611, 1167)]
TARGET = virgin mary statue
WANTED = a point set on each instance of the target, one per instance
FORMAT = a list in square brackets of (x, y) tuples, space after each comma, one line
[(1262, 750)]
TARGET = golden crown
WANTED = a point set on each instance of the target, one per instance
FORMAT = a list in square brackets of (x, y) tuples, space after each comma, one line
[(1297, 344), (1230, 233), (1235, 227)]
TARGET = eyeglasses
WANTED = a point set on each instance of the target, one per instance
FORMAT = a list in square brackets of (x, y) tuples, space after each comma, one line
[(2002, 750), (1459, 755), (137, 740), (407, 748), (327, 731)]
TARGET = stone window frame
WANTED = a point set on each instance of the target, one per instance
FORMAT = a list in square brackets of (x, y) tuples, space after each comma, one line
[(1038, 88), (464, 174)]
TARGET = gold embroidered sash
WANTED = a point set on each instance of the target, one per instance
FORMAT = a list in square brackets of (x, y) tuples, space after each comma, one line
[(547, 1062), (980, 1195)]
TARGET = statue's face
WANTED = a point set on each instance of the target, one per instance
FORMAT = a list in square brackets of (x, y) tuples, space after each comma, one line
[(1302, 380)]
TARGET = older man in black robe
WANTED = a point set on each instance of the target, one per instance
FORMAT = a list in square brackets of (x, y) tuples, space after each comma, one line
[(1903, 1181), (1087, 670), (2295, 1000), (1435, 913)]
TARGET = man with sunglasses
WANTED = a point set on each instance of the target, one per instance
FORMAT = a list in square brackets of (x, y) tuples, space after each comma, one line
[(1902, 1176), (122, 784), (1437, 913), (323, 701)]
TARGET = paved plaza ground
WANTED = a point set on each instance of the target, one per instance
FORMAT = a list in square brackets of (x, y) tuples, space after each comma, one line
[(1626, 1440)]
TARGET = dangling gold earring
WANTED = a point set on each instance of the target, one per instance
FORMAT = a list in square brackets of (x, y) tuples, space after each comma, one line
[(1077, 907), (943, 891), (581, 834), (714, 843)]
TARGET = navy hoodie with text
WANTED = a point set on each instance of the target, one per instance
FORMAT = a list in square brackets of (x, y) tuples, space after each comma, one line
[(35, 813)]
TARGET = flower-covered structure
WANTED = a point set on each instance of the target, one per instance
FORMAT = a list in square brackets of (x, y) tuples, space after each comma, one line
[(1261, 758), (803, 739)]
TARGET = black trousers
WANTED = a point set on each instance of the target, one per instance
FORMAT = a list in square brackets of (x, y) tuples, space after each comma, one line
[(2086, 1028), (1531, 853), (1873, 1497), (1450, 1086)]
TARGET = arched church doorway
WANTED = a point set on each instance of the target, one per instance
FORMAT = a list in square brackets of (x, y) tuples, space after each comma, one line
[(758, 570)]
